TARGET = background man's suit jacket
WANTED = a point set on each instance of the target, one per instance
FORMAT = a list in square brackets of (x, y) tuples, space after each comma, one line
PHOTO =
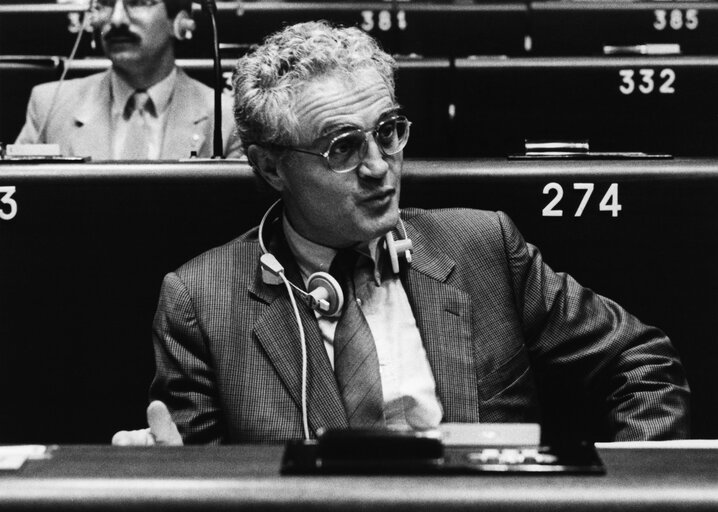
[(80, 121), (508, 340)]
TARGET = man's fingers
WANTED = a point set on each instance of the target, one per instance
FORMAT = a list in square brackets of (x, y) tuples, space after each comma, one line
[(141, 437), (162, 430), (161, 424)]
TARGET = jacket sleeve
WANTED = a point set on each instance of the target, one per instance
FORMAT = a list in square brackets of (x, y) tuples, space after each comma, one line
[(232, 144), (184, 378), (631, 382)]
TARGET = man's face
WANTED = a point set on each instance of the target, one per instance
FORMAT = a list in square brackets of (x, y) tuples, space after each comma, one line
[(137, 36), (339, 210)]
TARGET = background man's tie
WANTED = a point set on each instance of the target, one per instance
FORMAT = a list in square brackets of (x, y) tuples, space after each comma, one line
[(356, 364), (137, 144)]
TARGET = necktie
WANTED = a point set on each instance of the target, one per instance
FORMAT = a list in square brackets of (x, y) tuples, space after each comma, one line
[(356, 364), (137, 144)]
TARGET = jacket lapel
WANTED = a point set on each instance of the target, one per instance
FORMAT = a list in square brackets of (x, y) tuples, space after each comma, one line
[(278, 332), (443, 315), (187, 120), (92, 122)]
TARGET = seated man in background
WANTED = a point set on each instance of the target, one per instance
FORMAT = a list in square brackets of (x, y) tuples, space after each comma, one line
[(144, 107), (469, 325)]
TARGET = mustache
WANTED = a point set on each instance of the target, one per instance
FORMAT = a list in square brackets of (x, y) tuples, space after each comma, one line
[(120, 32)]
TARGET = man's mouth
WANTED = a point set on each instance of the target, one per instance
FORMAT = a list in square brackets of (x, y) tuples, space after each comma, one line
[(121, 40), (380, 196), (121, 37)]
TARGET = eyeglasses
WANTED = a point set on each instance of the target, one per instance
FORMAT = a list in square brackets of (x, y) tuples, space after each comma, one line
[(348, 149), (132, 6)]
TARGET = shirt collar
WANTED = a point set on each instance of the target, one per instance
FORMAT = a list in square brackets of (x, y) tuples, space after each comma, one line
[(312, 257), (160, 93)]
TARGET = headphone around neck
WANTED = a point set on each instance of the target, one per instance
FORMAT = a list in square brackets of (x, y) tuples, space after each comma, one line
[(324, 292)]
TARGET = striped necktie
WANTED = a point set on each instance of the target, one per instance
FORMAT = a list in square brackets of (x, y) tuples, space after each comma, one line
[(356, 364), (137, 144)]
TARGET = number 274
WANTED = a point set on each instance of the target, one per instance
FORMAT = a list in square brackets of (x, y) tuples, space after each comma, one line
[(609, 202)]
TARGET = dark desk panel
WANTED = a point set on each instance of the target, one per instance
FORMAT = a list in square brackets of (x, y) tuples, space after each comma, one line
[(83, 255), (17, 78), (82, 262), (256, 20), (424, 28), (247, 478), (43, 29), (483, 28), (584, 28), (649, 104)]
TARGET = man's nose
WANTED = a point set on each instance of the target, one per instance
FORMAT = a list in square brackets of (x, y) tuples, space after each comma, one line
[(119, 14), (373, 164)]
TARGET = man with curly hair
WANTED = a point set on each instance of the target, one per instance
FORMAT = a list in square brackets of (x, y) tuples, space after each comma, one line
[(466, 323)]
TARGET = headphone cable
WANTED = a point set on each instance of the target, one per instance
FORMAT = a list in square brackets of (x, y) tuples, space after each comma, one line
[(295, 308), (303, 342), (65, 68)]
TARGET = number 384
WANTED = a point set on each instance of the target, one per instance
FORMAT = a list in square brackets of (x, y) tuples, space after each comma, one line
[(609, 201)]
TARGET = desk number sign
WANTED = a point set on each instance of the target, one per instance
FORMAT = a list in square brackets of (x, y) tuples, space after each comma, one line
[(608, 203), (8, 205)]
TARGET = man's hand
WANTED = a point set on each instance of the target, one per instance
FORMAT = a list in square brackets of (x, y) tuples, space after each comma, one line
[(162, 430)]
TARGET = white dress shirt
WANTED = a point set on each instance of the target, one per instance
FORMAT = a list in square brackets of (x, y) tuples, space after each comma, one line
[(408, 384), (161, 96)]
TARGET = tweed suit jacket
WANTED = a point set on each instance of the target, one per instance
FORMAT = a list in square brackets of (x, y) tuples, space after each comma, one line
[(81, 120), (508, 340)]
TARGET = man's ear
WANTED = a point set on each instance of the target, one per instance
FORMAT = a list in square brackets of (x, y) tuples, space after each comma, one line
[(183, 25), (264, 163)]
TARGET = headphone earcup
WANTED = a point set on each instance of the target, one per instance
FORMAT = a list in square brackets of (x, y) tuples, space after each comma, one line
[(397, 248), (183, 26), (323, 287)]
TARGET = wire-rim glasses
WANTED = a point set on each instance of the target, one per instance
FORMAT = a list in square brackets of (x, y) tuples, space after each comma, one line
[(348, 149)]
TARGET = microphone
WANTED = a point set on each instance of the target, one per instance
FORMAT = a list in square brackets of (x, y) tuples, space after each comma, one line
[(210, 8), (88, 20)]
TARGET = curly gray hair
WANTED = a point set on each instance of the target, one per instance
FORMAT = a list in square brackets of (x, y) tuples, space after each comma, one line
[(267, 80)]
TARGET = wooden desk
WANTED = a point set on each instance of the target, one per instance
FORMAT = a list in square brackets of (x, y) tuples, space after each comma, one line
[(247, 478)]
